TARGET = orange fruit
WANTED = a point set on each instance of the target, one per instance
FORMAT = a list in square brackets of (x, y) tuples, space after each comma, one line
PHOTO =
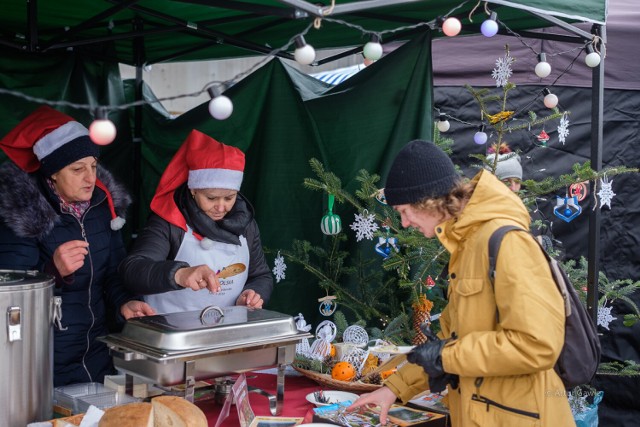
[(332, 352), (343, 371)]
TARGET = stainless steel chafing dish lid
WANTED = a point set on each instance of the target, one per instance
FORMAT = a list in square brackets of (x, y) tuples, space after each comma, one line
[(211, 327)]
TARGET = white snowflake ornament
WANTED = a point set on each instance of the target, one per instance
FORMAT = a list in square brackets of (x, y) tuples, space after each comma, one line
[(605, 317), (563, 129), (279, 268), (364, 225), (606, 192), (503, 71)]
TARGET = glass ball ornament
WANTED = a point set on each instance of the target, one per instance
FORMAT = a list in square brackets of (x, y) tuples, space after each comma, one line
[(372, 50), (489, 28), (550, 100), (220, 107), (102, 131), (331, 224), (443, 125), (305, 55), (592, 59), (451, 27), (480, 137)]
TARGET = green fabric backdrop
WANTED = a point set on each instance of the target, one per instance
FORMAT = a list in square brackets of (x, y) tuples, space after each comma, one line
[(281, 119)]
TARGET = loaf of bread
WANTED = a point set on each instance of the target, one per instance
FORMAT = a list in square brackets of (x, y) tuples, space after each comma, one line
[(129, 415), (175, 411), (73, 420)]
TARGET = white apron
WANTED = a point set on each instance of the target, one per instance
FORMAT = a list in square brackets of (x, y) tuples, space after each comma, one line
[(218, 256)]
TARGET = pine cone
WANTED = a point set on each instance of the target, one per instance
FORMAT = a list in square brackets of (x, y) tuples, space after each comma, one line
[(421, 314)]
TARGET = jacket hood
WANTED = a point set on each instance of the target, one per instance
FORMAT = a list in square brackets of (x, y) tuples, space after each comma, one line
[(25, 209), (490, 200)]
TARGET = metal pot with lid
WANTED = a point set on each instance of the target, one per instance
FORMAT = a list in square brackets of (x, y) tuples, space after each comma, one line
[(26, 347)]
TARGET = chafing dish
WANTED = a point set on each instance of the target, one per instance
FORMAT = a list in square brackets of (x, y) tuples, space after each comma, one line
[(182, 348)]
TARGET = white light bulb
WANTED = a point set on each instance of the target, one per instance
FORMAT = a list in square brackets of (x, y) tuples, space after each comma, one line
[(220, 107), (304, 55), (480, 137), (102, 131), (543, 69), (451, 27), (372, 50), (443, 125), (592, 59), (550, 100)]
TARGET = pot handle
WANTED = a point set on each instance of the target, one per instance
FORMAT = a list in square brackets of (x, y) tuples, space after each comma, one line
[(57, 313)]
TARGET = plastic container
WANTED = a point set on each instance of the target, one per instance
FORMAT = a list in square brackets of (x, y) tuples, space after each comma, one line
[(78, 397)]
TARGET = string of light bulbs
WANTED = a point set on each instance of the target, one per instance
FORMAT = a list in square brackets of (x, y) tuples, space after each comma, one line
[(102, 130)]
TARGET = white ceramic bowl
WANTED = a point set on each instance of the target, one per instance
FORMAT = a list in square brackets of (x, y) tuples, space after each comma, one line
[(333, 396)]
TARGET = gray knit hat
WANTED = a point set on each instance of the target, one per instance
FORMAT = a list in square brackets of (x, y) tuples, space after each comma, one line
[(420, 171), (508, 165)]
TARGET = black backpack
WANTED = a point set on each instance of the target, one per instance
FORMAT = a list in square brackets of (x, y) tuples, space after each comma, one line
[(580, 355)]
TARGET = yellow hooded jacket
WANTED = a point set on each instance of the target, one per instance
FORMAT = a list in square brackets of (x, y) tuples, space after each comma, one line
[(506, 368)]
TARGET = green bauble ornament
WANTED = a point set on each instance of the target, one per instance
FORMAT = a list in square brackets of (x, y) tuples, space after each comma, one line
[(331, 223)]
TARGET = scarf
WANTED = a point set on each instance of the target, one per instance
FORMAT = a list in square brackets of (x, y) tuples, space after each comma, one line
[(77, 209), (225, 230)]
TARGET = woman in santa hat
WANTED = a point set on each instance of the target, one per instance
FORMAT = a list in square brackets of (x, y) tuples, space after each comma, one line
[(58, 215), (201, 245)]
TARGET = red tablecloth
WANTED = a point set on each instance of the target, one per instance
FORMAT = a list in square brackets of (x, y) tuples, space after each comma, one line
[(295, 404)]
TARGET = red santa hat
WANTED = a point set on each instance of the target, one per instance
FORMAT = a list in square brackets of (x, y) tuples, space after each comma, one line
[(201, 162), (47, 141)]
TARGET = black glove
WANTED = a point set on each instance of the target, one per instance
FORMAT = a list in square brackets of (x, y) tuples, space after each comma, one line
[(428, 356)]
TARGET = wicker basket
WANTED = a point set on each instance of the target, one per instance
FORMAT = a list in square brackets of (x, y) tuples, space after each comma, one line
[(327, 381)]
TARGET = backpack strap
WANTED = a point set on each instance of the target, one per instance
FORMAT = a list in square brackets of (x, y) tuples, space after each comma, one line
[(494, 247)]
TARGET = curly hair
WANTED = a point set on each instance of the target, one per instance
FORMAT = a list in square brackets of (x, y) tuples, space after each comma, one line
[(449, 205)]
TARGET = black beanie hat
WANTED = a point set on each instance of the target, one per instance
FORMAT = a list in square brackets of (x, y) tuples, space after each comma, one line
[(420, 171)]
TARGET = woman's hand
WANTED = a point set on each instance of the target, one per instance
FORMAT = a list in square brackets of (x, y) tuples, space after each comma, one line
[(136, 309), (382, 397), (250, 298), (69, 256), (198, 277)]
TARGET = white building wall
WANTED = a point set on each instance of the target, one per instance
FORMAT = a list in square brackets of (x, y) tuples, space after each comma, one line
[(177, 79)]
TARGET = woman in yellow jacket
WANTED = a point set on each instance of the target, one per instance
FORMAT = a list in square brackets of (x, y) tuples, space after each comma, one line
[(497, 373)]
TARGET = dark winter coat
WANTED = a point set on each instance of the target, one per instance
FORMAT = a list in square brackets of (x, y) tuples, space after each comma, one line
[(31, 228), (150, 267)]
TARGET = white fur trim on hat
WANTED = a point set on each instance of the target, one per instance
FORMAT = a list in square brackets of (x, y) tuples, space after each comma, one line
[(57, 138), (215, 178), (117, 223)]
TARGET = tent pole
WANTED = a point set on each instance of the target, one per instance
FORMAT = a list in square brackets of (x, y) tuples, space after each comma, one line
[(138, 53), (597, 95)]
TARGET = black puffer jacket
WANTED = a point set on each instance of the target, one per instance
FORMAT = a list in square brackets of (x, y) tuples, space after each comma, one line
[(150, 267), (31, 228)]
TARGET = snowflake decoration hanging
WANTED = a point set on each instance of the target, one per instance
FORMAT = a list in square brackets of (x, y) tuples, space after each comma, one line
[(279, 268), (605, 317), (606, 192), (364, 225), (563, 129), (503, 71)]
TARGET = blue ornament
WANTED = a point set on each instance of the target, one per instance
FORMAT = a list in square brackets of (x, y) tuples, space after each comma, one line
[(567, 208)]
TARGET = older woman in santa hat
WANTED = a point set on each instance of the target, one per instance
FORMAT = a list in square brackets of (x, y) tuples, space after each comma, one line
[(201, 245), (58, 215)]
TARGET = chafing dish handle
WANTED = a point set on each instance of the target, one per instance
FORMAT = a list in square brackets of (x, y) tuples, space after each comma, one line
[(126, 355), (206, 310)]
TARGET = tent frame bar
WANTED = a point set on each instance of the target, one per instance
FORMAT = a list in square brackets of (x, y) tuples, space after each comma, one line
[(343, 8)]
